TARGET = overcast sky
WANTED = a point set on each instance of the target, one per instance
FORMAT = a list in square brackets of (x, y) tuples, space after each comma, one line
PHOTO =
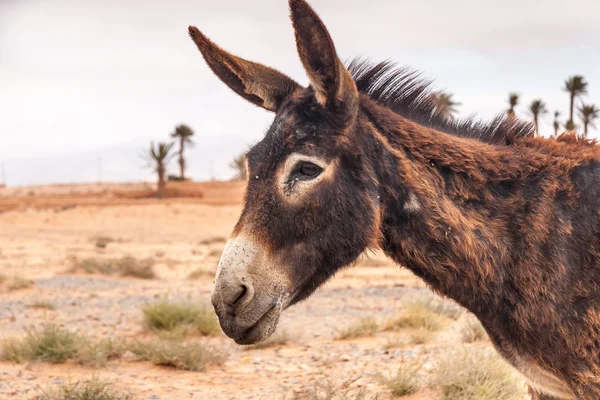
[(78, 77)]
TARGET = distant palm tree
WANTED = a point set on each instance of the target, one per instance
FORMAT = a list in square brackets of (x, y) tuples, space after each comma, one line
[(588, 113), (513, 101), (537, 108), (158, 157), (445, 106), (556, 124), (575, 86), (239, 164), (183, 134)]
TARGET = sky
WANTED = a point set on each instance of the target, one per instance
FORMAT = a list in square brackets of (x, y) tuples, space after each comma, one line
[(85, 85)]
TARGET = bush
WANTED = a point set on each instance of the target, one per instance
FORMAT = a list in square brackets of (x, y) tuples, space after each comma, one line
[(92, 389), (415, 316), (50, 343), (180, 318), (42, 304), (127, 266), (473, 373), (365, 327), (404, 380), (175, 354), (17, 283), (56, 345)]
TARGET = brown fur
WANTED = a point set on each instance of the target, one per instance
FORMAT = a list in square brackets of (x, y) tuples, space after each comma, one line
[(505, 224)]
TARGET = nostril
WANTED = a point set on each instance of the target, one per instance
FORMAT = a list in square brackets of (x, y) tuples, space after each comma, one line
[(242, 294)]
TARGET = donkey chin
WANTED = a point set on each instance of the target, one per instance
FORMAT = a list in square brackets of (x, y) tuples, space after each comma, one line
[(247, 305)]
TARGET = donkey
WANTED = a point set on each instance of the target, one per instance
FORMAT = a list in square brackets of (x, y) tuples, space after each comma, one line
[(505, 224)]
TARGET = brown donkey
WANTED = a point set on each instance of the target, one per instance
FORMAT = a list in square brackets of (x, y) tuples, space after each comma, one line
[(506, 225)]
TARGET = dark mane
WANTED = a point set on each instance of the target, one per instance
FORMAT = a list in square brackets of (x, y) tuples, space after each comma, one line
[(406, 93)]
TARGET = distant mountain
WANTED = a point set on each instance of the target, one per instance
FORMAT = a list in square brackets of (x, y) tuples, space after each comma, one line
[(122, 163)]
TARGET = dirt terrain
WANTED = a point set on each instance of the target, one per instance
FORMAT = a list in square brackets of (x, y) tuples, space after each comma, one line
[(44, 230)]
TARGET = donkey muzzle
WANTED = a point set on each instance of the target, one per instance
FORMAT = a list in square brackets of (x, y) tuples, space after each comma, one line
[(246, 296)]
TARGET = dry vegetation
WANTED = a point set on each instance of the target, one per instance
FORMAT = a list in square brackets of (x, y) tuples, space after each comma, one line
[(42, 305), (102, 241), (126, 266), (365, 327), (471, 329), (404, 380), (191, 356), (477, 373), (15, 283), (91, 389), (416, 316), (57, 345), (180, 318), (328, 390), (75, 315), (279, 338)]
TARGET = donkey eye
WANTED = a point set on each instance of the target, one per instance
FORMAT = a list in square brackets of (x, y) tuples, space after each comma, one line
[(308, 169)]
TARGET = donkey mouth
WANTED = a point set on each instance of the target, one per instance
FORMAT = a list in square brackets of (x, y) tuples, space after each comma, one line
[(261, 330)]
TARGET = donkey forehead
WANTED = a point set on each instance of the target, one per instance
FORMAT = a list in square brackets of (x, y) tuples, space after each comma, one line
[(300, 127)]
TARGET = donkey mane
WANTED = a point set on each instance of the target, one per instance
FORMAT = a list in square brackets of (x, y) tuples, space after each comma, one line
[(406, 93)]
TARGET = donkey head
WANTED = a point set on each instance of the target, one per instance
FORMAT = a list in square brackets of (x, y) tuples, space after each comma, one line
[(311, 202)]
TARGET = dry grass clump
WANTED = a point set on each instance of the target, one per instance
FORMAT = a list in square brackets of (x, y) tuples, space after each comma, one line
[(394, 342), (42, 305), (92, 389), (202, 272), (180, 318), (471, 330), (97, 354), (102, 241), (279, 338), (16, 282), (56, 345), (404, 381), (328, 390), (415, 316), (475, 373), (126, 266), (212, 240), (364, 327), (177, 354), (420, 336), (438, 305), (50, 344)]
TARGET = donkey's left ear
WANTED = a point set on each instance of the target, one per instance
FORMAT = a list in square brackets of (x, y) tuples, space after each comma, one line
[(331, 81), (255, 82)]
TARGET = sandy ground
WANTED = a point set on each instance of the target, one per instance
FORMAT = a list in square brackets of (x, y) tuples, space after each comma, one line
[(42, 229)]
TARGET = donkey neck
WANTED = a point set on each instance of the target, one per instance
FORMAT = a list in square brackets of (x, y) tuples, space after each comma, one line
[(440, 195)]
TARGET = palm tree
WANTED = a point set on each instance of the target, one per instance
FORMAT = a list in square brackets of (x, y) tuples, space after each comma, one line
[(575, 86), (513, 100), (158, 157), (537, 109), (239, 164), (588, 113), (183, 134), (556, 124), (445, 106)]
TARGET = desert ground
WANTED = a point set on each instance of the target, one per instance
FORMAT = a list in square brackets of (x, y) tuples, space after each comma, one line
[(371, 332)]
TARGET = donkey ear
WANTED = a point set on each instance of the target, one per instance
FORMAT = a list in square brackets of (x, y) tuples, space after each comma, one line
[(255, 82), (330, 80)]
